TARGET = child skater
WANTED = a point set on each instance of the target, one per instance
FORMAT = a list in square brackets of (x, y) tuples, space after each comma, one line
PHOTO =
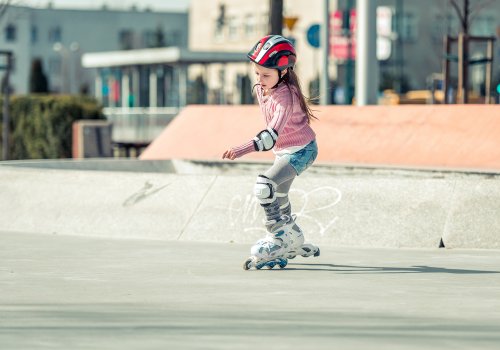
[(288, 133)]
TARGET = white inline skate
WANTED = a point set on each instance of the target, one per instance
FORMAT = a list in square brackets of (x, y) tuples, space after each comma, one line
[(284, 241)]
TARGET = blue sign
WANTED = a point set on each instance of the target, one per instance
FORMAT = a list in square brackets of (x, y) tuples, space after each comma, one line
[(313, 35)]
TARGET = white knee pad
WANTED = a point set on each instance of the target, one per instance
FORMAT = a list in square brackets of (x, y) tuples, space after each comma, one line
[(265, 190)]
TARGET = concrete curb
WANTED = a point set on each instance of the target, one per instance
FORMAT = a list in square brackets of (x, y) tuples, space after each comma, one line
[(361, 211)]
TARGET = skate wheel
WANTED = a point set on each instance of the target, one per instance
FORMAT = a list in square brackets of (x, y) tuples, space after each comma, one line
[(259, 266), (247, 264), (282, 263), (307, 251), (270, 265)]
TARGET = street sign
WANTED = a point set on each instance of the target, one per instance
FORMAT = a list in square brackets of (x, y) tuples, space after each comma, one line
[(289, 22), (313, 35), (342, 47)]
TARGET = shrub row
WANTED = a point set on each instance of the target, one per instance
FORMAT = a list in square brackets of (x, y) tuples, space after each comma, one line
[(41, 125)]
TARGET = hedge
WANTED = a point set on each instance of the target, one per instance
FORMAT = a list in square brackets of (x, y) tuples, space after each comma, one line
[(41, 125)]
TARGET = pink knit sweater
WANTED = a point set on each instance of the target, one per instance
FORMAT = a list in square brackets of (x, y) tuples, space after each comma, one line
[(282, 112)]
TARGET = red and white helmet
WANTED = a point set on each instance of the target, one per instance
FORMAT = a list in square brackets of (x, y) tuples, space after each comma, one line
[(273, 51)]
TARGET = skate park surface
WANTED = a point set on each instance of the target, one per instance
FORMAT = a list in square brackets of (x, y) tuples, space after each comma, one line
[(68, 292), (106, 254)]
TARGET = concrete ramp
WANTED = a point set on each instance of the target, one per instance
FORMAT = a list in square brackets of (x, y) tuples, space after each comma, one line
[(355, 210), (451, 136)]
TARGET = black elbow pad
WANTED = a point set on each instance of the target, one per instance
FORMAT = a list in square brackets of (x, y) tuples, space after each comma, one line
[(265, 140)]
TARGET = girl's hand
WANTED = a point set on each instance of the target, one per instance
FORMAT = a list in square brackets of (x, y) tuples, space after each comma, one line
[(229, 154)]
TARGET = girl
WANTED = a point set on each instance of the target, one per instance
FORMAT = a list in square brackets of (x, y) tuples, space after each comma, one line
[(288, 133)]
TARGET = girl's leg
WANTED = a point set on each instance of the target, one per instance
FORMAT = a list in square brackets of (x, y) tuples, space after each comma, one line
[(272, 188), (283, 200), (284, 238)]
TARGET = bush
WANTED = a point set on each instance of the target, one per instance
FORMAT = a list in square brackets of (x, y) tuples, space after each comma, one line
[(41, 125)]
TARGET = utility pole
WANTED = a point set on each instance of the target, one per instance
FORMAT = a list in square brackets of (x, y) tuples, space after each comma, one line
[(399, 54), (6, 97), (325, 52), (349, 65), (276, 17), (366, 53), (463, 56)]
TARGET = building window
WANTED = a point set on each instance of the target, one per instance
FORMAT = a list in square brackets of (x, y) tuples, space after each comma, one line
[(219, 31), (232, 27), (3, 63), (220, 22), (34, 34), (10, 33), (175, 38), (126, 39), (149, 39), (250, 25), (55, 34), (483, 26), (409, 28)]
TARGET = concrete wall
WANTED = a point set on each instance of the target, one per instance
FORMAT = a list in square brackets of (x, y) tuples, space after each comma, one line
[(386, 210)]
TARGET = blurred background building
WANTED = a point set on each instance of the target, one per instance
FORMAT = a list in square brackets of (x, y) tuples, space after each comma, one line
[(409, 45), (59, 37)]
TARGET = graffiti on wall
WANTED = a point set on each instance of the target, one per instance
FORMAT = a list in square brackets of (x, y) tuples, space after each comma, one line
[(315, 210), (145, 192)]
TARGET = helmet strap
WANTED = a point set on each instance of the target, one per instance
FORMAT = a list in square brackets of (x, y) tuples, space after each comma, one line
[(281, 76)]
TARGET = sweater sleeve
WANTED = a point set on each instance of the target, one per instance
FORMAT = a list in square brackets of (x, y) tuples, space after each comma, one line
[(243, 149), (283, 110)]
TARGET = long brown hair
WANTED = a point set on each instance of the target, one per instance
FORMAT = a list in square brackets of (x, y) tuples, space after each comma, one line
[(291, 79)]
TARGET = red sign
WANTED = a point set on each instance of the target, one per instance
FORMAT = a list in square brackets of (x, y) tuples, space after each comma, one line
[(340, 45)]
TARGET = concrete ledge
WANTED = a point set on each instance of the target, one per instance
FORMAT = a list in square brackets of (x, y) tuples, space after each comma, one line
[(474, 220), (361, 211)]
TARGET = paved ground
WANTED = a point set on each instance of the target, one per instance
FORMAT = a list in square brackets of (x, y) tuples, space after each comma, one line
[(78, 293)]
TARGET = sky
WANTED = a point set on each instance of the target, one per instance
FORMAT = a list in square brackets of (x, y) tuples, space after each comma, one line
[(160, 5)]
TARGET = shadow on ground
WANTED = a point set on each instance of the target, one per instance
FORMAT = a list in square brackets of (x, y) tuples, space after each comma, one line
[(346, 269)]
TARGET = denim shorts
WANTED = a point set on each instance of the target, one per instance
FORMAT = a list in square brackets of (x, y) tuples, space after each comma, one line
[(302, 159)]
